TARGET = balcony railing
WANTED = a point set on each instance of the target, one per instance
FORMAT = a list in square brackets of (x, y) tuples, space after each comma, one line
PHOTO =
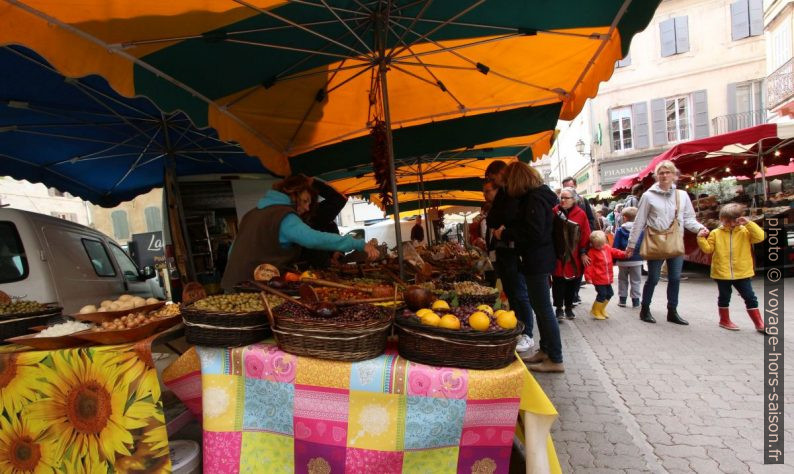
[(780, 85), (733, 122)]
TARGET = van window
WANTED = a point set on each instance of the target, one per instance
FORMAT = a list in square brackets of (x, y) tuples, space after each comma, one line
[(127, 266), (13, 262), (99, 258)]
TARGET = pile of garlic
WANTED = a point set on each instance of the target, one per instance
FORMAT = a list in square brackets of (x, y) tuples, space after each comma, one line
[(123, 303), (64, 329)]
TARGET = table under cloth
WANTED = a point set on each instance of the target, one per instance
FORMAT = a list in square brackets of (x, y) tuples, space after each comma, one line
[(265, 410), (88, 409)]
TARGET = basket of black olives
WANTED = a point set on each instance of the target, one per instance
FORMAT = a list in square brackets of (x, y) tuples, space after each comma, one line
[(228, 320), (336, 332), (18, 315)]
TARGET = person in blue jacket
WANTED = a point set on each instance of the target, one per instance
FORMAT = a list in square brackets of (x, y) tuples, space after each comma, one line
[(630, 269), (274, 233)]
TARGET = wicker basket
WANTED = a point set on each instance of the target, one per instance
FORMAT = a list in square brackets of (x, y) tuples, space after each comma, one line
[(205, 328), (348, 341), (13, 325), (454, 348)]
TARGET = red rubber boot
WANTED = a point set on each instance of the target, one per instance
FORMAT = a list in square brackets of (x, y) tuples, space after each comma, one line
[(725, 320), (755, 316)]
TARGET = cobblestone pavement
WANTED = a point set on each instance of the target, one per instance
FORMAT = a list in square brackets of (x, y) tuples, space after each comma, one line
[(638, 397)]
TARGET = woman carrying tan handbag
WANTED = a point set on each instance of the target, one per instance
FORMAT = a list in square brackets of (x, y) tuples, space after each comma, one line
[(663, 213)]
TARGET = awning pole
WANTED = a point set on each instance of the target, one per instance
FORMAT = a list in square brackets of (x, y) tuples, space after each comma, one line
[(382, 31), (423, 200)]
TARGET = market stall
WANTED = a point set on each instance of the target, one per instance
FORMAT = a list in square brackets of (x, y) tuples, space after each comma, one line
[(387, 414)]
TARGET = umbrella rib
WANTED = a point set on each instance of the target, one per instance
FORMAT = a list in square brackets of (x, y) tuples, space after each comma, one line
[(438, 82), (67, 137), (298, 25), (135, 60), (442, 25), (68, 178), (344, 10), (285, 48), (89, 156), (77, 85), (197, 144), (602, 46), (344, 23), (134, 165), (409, 27), (173, 39)]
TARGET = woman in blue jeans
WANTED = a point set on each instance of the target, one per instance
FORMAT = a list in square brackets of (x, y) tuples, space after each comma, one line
[(531, 232), (657, 209)]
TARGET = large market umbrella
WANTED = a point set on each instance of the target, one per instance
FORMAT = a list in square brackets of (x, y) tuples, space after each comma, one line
[(286, 79), (80, 136)]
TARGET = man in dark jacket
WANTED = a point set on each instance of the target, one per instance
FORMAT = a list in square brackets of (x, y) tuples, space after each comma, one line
[(504, 209), (417, 231)]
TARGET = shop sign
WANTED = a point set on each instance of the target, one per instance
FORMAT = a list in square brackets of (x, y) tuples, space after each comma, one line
[(146, 249), (611, 171), (583, 178)]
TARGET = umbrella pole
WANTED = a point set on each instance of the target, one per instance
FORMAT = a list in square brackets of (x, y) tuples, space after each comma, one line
[(423, 201), (392, 178)]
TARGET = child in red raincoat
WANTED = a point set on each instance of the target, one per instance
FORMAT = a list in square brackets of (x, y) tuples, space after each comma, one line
[(599, 272)]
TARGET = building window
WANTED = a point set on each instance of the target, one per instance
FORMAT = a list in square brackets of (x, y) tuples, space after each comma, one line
[(121, 228), (154, 219), (620, 125), (747, 19), (674, 36), (678, 121), (781, 46)]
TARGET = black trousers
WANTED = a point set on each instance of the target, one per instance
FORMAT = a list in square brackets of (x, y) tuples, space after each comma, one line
[(564, 290)]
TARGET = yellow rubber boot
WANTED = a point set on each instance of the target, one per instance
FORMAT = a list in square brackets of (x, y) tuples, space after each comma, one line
[(596, 310), (604, 309)]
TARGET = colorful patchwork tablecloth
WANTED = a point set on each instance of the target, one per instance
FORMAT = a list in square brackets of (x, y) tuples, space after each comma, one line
[(266, 410), (86, 410)]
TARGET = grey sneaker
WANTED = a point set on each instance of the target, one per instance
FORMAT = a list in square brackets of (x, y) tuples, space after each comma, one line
[(525, 343)]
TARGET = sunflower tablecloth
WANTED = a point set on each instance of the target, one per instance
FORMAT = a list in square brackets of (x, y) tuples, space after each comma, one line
[(82, 410), (264, 410)]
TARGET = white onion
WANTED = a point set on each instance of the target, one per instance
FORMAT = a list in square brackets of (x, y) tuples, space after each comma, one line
[(64, 329)]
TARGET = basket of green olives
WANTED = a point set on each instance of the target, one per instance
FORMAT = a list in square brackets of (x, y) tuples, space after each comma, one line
[(18, 315), (228, 320)]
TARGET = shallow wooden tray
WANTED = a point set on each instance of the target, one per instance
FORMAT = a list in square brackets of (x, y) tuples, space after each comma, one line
[(100, 318), (122, 336), (47, 343)]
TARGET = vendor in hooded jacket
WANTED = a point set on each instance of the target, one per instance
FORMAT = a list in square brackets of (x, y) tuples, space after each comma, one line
[(274, 233)]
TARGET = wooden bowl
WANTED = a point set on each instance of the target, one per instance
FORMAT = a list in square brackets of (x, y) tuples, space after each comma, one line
[(122, 336), (100, 318), (47, 343)]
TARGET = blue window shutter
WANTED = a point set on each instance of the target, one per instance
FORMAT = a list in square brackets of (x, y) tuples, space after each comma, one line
[(658, 122), (756, 8), (732, 98), (154, 220), (667, 36), (701, 114), (639, 112), (681, 34), (121, 228), (740, 20)]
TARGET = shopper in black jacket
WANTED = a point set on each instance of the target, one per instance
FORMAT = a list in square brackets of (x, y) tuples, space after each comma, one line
[(531, 231), (507, 264)]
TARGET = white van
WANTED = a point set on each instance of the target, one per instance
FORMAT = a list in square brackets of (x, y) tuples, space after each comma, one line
[(47, 259)]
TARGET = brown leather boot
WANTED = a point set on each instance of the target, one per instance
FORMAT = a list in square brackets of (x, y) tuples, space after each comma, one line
[(547, 366), (758, 321), (725, 320), (536, 358)]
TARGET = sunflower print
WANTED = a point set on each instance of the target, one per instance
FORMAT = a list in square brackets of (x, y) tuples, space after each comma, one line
[(85, 408), (19, 380), (24, 449)]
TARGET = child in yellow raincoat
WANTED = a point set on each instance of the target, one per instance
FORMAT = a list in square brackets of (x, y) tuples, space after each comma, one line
[(732, 262)]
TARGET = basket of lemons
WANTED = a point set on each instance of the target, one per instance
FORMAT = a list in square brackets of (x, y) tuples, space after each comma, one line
[(469, 337)]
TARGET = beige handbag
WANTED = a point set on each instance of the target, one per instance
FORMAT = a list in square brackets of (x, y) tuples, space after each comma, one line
[(663, 244)]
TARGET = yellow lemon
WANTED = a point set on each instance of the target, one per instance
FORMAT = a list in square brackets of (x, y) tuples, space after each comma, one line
[(498, 312), (431, 319), (507, 320), (479, 321), (485, 309), (423, 312), (308, 274), (449, 321), (440, 304)]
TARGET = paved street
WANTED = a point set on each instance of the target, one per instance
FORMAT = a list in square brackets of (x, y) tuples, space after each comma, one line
[(640, 397)]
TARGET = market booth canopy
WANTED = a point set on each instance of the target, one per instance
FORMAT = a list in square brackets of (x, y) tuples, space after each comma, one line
[(292, 81), (740, 153), (80, 136), (449, 166)]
